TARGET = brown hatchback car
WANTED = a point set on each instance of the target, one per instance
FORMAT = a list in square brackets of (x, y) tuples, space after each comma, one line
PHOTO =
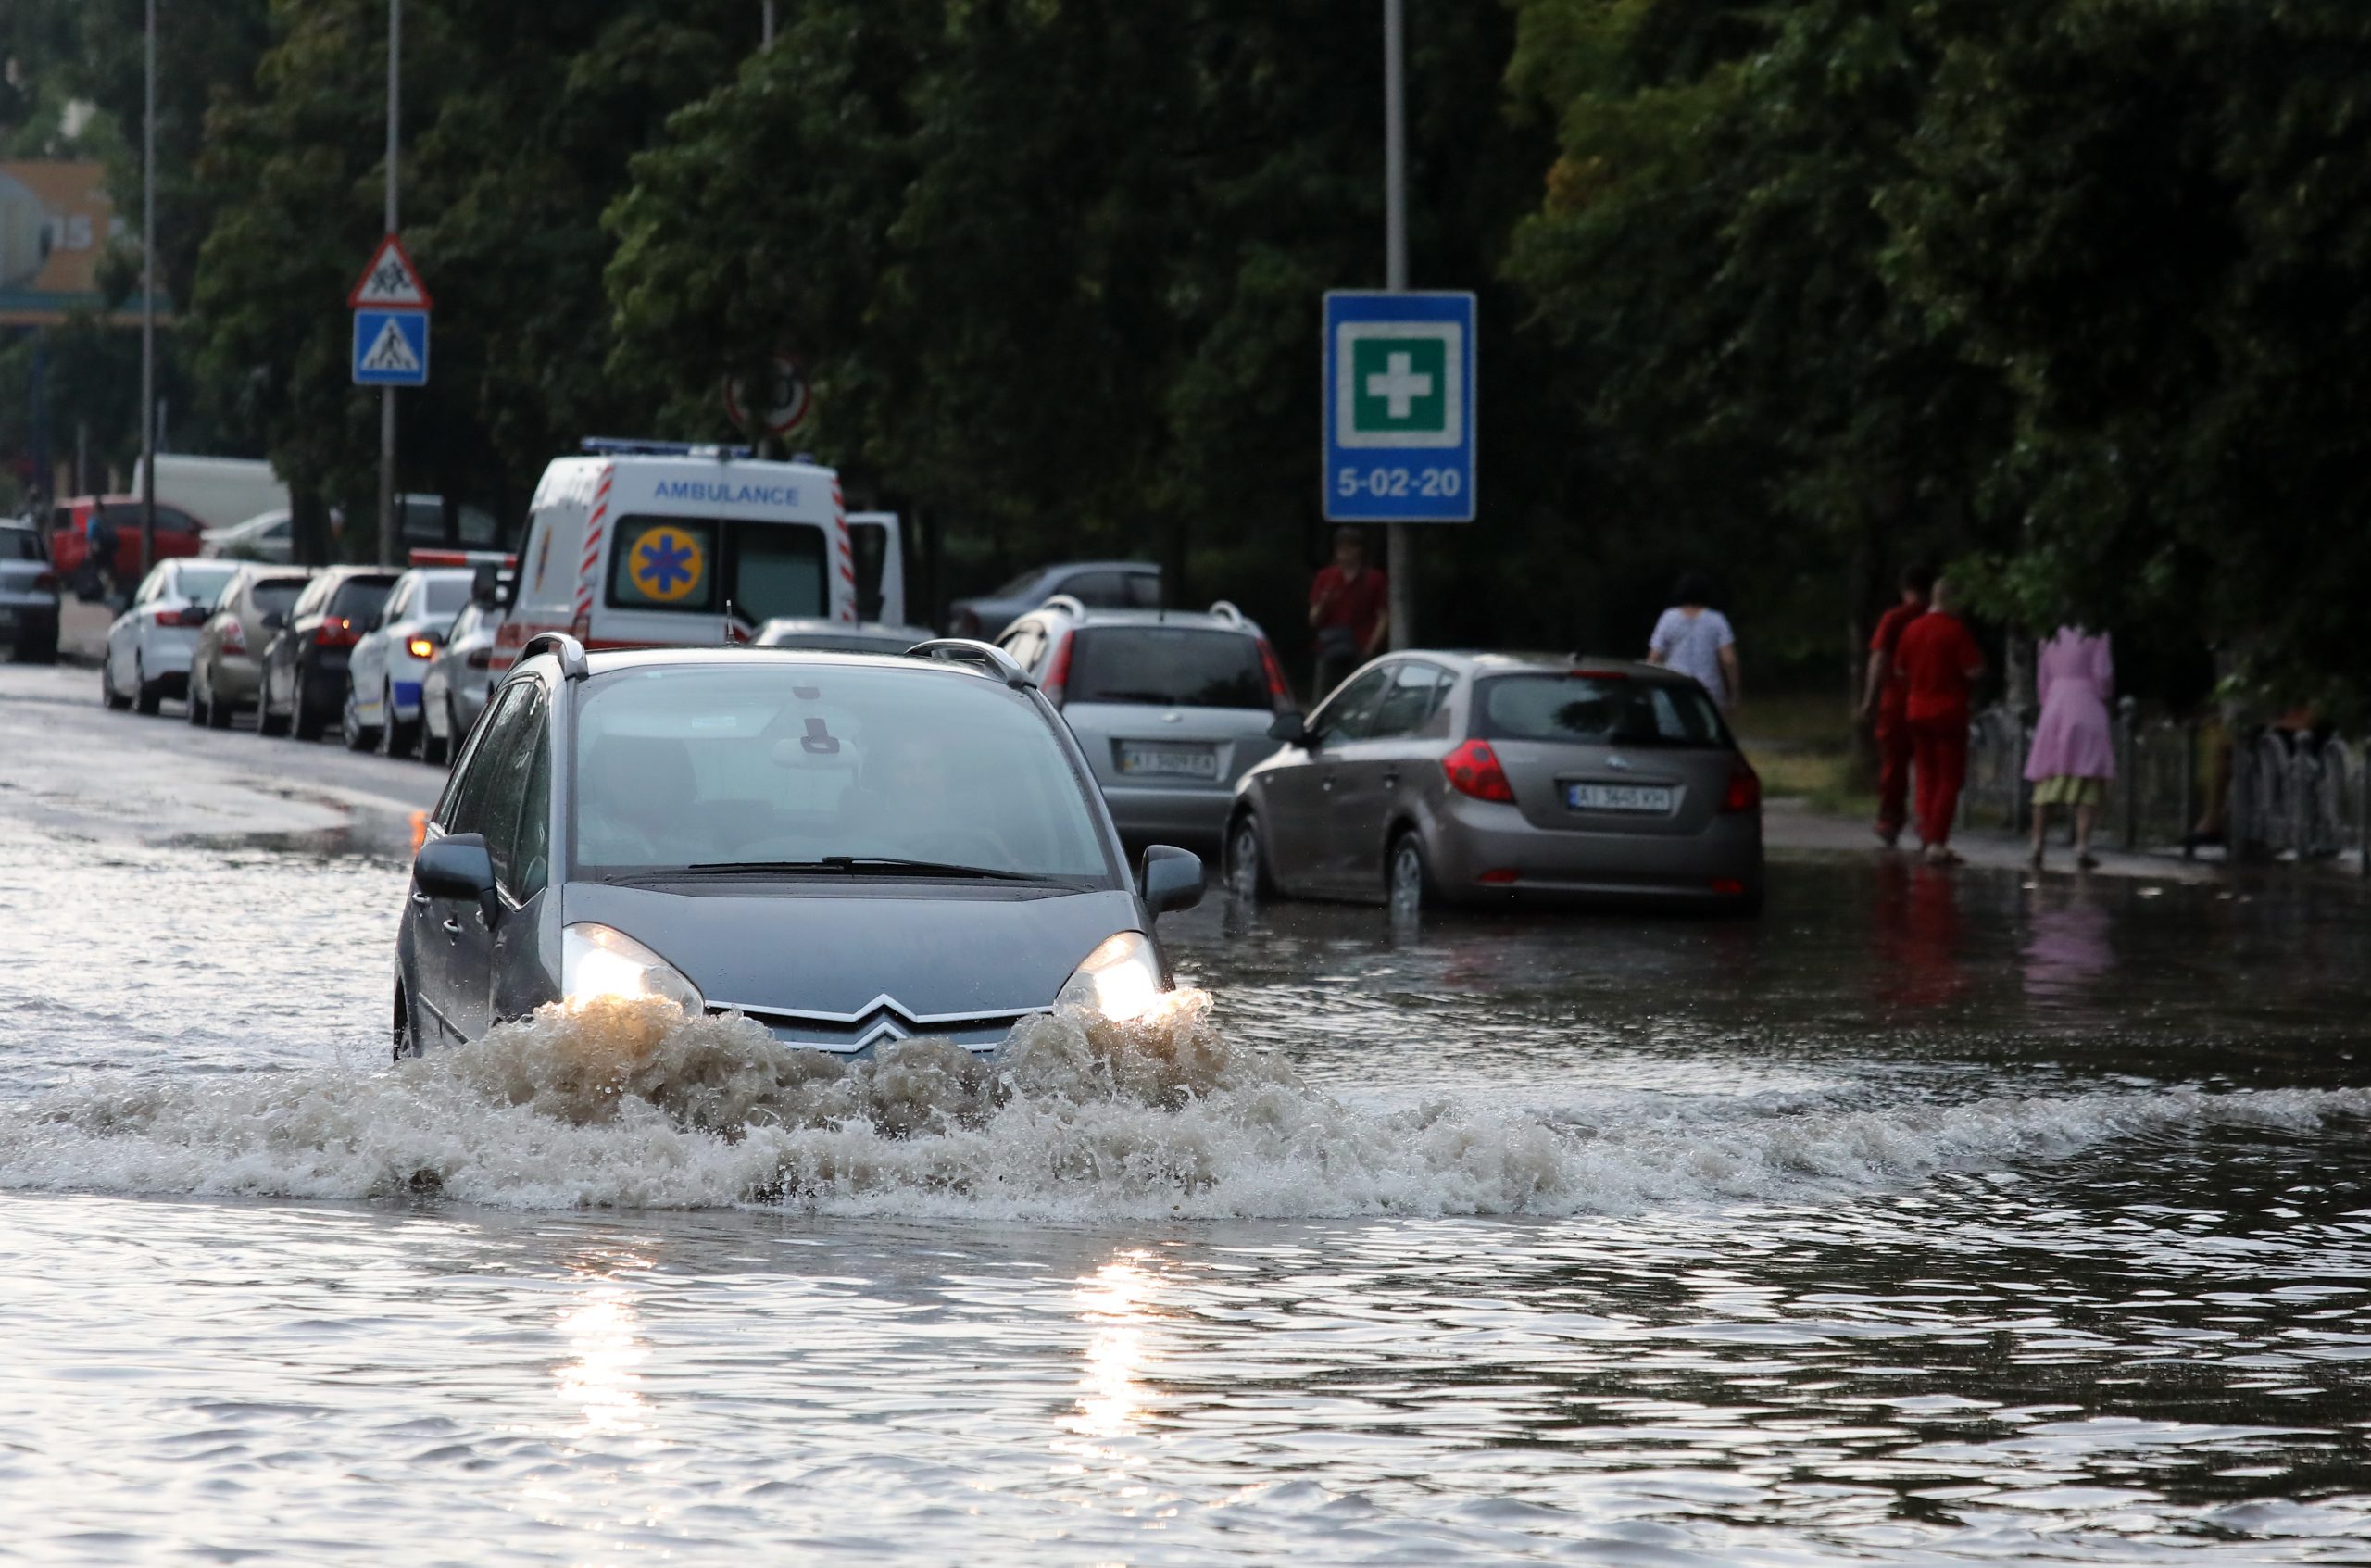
[(1484, 778)]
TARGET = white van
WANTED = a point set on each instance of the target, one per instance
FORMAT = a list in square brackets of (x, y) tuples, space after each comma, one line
[(880, 568), (218, 492), (649, 544)]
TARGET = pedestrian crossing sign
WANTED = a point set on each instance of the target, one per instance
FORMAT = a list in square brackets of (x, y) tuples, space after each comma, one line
[(390, 348)]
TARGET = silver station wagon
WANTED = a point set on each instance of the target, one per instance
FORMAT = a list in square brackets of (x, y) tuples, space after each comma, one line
[(846, 848), (1481, 778)]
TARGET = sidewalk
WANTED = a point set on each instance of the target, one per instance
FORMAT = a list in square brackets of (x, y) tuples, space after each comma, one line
[(1790, 824), (83, 632)]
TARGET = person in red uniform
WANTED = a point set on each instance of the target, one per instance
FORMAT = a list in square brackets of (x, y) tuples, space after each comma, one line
[(1887, 700), (1349, 609), (1940, 663)]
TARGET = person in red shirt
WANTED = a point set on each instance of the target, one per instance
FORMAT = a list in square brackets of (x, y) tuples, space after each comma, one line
[(1940, 662), (1887, 699), (1349, 610)]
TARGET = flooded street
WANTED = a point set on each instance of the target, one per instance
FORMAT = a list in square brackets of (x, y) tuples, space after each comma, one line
[(1931, 1218)]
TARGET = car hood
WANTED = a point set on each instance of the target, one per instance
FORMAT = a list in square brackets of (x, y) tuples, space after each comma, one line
[(836, 949)]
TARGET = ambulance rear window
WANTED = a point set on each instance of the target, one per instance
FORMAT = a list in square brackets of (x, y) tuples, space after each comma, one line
[(695, 564)]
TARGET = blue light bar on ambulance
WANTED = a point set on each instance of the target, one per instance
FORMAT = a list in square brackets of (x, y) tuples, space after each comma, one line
[(614, 446)]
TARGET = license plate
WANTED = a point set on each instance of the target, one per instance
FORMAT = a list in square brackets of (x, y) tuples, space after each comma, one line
[(1618, 797), (1169, 761)]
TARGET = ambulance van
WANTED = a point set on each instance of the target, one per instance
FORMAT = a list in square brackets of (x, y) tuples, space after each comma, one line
[(639, 543)]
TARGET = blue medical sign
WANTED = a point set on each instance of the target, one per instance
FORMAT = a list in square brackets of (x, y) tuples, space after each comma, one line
[(390, 347), (1399, 407)]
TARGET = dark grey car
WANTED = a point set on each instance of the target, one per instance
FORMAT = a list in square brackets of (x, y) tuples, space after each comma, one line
[(1479, 778), (846, 848), (1097, 584)]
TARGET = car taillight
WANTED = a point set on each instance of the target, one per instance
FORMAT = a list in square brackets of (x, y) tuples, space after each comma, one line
[(336, 631), (482, 659), (1745, 787), (420, 647), (180, 615), (1058, 675), (1280, 692), (235, 635), (1474, 770)]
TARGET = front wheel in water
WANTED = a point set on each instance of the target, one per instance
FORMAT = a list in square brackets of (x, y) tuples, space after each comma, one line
[(1247, 860)]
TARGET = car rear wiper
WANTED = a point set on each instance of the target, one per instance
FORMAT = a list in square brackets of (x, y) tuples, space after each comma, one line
[(865, 865)]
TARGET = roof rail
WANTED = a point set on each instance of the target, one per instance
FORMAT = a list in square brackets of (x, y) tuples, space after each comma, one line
[(560, 646), (1067, 603), (965, 650), (1222, 609), (621, 446)]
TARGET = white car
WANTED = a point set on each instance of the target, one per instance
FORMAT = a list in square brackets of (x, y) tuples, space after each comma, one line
[(149, 646), (382, 678), (266, 537)]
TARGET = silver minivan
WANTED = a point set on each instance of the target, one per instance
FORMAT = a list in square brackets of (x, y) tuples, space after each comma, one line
[(1496, 778), (1171, 706)]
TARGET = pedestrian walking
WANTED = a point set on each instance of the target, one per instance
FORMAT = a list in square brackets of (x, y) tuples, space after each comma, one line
[(1695, 639), (1886, 700), (1349, 609), (1940, 663), (2074, 751)]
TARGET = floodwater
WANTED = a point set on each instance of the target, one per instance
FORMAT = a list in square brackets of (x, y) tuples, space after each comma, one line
[(1929, 1219)]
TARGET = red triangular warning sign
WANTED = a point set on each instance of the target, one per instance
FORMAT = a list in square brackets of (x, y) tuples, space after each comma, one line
[(391, 282)]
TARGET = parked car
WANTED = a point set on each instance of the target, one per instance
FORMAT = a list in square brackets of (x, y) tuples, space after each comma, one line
[(1475, 778), (149, 644), (304, 665), (847, 850), (385, 673), (28, 594), (1170, 707), (225, 668), (460, 679), (838, 636), (177, 534), (1098, 584), (266, 537)]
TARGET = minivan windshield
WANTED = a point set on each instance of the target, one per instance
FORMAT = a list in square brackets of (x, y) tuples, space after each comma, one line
[(1170, 666), (1596, 710), (795, 765)]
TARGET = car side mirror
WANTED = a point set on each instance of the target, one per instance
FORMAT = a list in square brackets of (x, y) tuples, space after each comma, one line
[(506, 591), (1169, 879), (1290, 728), (273, 621), (457, 866)]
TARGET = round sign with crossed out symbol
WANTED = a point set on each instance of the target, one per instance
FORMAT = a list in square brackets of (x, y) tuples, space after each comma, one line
[(776, 405), (666, 565)]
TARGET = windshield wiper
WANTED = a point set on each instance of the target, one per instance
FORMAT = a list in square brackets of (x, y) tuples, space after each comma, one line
[(861, 865)]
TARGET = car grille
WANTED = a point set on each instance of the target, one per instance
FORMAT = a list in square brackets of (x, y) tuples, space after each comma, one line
[(858, 1035)]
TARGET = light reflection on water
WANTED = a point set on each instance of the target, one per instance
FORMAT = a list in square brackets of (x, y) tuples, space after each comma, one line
[(2148, 1339)]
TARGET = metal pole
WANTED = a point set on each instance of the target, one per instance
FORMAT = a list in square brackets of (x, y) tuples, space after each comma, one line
[(1400, 544), (768, 35), (390, 531), (148, 308)]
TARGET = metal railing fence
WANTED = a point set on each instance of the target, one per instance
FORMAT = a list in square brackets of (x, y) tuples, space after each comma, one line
[(2292, 795)]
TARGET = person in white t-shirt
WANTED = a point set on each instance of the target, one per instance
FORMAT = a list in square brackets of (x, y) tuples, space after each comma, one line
[(1695, 639)]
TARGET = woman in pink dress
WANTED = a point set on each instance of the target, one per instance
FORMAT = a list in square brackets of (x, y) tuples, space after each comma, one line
[(2074, 751)]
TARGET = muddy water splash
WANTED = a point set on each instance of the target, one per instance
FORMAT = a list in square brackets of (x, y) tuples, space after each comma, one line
[(636, 1106)]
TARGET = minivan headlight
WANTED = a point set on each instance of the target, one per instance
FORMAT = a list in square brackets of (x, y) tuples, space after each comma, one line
[(599, 963), (1120, 979)]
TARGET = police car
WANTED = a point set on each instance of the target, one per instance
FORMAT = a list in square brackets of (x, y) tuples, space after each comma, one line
[(642, 544)]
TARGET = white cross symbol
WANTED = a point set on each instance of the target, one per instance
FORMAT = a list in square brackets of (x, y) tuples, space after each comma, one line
[(1400, 386)]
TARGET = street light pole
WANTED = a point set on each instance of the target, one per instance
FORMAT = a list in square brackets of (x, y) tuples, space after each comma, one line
[(148, 308), (390, 531), (1400, 544)]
